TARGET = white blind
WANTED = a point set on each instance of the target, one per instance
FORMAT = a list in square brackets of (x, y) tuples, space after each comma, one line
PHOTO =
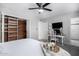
[(74, 28)]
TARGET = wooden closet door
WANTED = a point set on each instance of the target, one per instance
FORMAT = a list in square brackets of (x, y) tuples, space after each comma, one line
[(10, 28), (21, 29)]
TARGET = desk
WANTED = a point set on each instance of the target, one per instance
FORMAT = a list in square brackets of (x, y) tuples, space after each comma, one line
[(62, 38)]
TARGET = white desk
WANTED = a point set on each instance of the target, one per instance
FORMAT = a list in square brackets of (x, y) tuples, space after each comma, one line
[(62, 38)]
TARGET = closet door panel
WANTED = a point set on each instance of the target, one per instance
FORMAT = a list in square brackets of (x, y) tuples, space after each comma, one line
[(12, 38), (5, 29), (5, 36), (12, 29), (21, 29)]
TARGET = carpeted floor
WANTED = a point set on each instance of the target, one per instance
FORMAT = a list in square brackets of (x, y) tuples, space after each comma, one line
[(73, 50)]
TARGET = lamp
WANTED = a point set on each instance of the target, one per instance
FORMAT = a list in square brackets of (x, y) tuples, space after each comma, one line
[(40, 10)]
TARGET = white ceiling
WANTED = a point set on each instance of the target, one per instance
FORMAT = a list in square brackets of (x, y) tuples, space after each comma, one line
[(58, 9)]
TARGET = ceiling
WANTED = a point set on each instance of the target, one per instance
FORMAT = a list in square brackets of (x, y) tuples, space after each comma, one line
[(58, 9)]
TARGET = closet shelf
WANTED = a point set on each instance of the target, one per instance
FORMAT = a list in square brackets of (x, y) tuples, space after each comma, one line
[(12, 36), (10, 31), (11, 24)]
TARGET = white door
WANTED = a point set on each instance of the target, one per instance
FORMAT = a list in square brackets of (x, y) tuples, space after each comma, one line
[(43, 30)]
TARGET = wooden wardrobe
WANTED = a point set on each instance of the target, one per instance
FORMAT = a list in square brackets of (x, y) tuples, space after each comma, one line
[(14, 28)]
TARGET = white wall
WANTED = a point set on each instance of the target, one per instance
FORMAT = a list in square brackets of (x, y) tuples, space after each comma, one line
[(66, 24), (66, 27), (0, 28)]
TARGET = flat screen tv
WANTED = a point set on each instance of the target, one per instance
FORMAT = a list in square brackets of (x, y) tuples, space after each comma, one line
[(57, 25)]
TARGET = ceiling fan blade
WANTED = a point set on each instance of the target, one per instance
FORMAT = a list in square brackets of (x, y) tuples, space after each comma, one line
[(46, 4), (33, 8), (38, 4), (47, 9)]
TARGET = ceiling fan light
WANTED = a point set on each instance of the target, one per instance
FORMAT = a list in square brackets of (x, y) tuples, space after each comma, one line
[(41, 10)]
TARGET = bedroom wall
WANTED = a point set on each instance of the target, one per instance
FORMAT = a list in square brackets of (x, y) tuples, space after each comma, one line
[(65, 18), (66, 25), (19, 10)]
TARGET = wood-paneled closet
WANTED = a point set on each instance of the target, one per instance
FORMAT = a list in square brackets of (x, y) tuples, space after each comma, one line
[(14, 28)]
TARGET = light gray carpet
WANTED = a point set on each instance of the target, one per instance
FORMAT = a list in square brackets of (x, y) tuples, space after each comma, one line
[(73, 50)]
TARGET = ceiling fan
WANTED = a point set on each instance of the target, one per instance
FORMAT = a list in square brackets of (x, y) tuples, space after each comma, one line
[(41, 6)]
